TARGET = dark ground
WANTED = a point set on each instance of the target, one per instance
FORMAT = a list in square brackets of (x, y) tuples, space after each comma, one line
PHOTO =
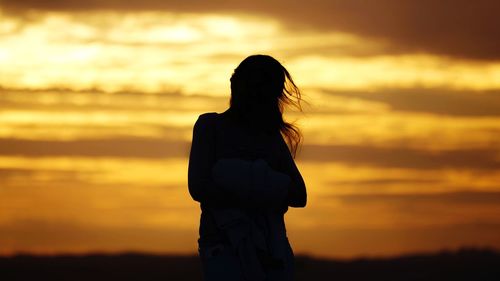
[(464, 264)]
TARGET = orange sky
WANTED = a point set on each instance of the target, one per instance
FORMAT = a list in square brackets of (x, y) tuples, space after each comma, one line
[(98, 99)]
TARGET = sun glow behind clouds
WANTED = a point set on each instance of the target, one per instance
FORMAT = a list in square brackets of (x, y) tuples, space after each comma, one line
[(146, 51), (195, 53), (402, 71), (97, 109)]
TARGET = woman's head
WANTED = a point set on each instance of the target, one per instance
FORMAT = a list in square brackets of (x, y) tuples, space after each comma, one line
[(260, 88)]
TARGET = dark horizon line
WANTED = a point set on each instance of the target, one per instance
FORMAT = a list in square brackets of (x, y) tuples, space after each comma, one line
[(302, 255)]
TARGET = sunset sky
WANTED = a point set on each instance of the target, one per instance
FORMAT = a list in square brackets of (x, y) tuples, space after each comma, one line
[(401, 127)]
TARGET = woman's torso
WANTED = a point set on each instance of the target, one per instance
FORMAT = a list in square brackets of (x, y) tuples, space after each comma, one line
[(234, 140)]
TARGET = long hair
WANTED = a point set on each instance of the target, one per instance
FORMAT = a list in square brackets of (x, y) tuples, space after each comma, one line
[(260, 89)]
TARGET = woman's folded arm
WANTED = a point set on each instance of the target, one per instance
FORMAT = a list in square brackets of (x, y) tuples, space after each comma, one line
[(201, 186), (223, 184), (254, 182)]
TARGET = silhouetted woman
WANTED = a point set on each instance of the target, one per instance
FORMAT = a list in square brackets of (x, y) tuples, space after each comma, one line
[(242, 172)]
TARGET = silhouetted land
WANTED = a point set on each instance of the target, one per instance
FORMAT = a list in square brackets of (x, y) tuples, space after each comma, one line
[(463, 264)]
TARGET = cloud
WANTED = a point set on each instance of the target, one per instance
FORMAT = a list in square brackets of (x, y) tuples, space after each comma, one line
[(7, 174), (384, 181), (363, 155), (126, 147), (435, 101), (445, 198), (402, 157), (45, 236), (360, 241), (458, 28), (66, 99)]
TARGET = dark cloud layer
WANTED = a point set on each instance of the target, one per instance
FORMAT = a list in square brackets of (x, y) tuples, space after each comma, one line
[(348, 154), (459, 28), (27, 173), (435, 101), (402, 157), (445, 198), (127, 147), (384, 181)]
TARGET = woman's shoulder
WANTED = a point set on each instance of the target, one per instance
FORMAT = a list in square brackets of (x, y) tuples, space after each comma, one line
[(224, 117), (204, 123), (208, 115), (206, 118)]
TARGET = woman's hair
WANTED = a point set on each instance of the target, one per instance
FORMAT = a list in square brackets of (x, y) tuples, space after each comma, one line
[(260, 88)]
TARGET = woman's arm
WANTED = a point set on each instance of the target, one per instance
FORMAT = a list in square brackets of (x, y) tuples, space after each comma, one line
[(297, 194), (252, 181), (201, 186)]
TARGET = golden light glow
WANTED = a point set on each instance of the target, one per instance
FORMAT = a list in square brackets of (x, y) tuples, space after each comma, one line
[(134, 83), (174, 51)]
